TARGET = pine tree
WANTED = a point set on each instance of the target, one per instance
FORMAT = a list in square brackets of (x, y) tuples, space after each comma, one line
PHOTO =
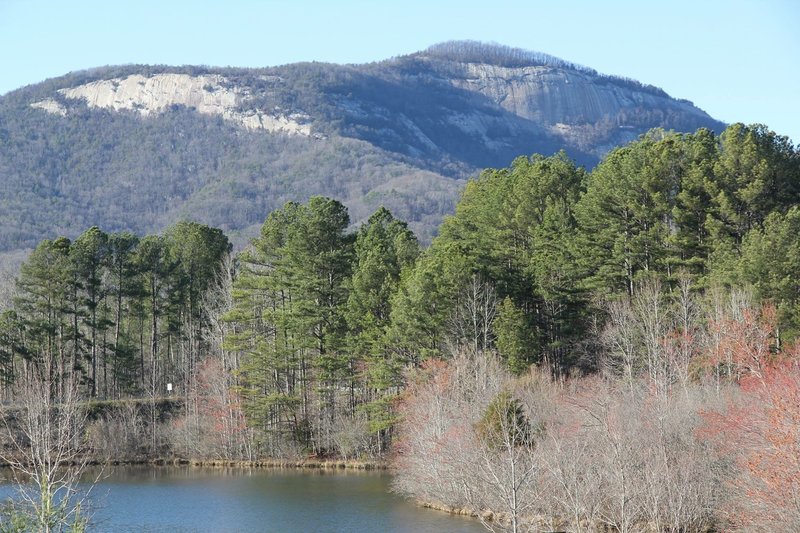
[(123, 287), (44, 305), (290, 303), (384, 247), (514, 341), (88, 256)]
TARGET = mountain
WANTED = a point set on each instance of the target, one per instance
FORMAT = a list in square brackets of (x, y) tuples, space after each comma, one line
[(138, 147)]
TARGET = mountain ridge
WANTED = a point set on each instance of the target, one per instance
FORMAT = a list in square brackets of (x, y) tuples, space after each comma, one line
[(113, 146)]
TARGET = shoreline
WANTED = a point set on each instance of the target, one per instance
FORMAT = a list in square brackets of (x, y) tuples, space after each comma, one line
[(301, 464), (484, 516), (488, 516)]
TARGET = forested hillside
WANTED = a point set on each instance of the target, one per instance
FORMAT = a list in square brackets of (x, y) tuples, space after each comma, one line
[(658, 288), (137, 148)]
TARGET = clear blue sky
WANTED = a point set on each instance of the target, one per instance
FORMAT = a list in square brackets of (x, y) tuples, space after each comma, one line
[(739, 61)]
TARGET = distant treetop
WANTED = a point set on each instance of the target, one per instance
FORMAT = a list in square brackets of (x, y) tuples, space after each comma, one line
[(498, 54), (506, 56)]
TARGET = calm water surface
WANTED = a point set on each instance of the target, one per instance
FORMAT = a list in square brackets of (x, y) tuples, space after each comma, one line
[(187, 499)]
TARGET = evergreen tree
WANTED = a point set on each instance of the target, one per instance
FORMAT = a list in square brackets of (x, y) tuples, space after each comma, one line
[(757, 173), (88, 256), (125, 289), (291, 300), (770, 262), (515, 229), (44, 305), (199, 251), (625, 213), (514, 342), (153, 262), (384, 247), (691, 238)]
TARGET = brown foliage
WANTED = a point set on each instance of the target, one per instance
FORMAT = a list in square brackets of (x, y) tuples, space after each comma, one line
[(605, 454), (760, 430), (744, 343)]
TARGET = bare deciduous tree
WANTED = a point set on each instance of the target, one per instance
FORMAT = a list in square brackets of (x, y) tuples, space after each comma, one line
[(653, 317), (507, 468), (117, 433), (470, 323), (621, 341), (584, 455), (46, 450), (436, 453)]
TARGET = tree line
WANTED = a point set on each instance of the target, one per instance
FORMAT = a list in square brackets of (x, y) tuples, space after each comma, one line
[(314, 327), (554, 243), (121, 313)]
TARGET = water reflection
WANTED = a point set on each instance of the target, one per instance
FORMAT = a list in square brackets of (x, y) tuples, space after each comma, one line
[(190, 499)]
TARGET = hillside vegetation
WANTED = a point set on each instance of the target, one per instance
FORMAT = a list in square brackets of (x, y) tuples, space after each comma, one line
[(657, 289), (87, 148)]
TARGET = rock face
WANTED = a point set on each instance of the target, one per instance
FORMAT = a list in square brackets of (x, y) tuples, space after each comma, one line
[(157, 93), (51, 106), (208, 95), (569, 104), (585, 110), (139, 147), (552, 95)]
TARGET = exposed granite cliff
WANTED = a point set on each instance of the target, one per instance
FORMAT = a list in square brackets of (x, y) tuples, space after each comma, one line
[(586, 110), (206, 94)]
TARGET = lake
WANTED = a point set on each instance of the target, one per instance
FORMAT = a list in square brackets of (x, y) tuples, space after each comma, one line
[(184, 499)]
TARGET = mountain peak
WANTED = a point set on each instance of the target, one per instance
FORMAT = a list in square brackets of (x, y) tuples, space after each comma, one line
[(500, 55), (496, 54)]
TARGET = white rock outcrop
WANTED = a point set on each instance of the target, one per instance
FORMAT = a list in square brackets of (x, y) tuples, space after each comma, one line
[(207, 94), (51, 106), (551, 95)]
